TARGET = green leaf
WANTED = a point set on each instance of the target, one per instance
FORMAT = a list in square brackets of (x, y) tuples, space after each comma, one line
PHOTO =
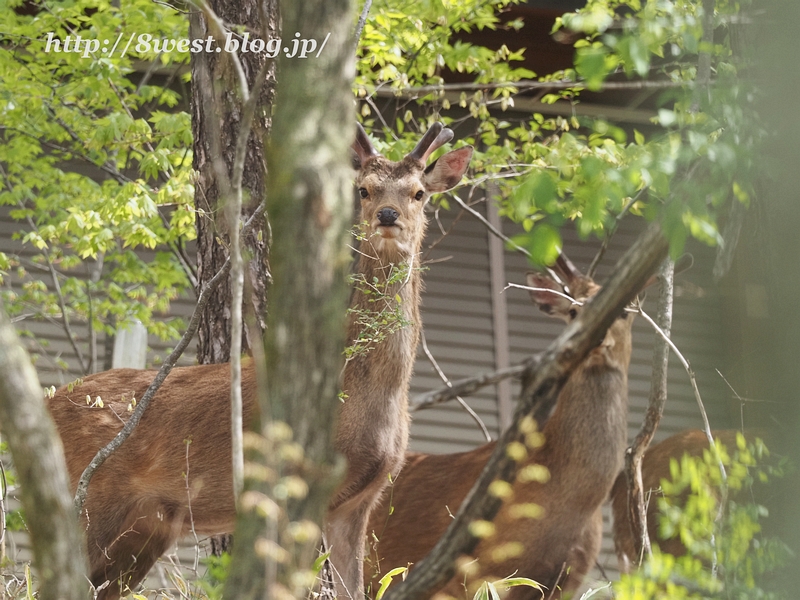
[(386, 580)]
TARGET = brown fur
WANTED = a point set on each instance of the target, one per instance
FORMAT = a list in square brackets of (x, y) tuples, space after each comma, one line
[(655, 467), (139, 500), (583, 447), (373, 424), (138, 503)]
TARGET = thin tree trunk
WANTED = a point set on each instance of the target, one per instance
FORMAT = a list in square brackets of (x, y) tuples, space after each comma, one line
[(38, 456), (310, 208), (658, 396)]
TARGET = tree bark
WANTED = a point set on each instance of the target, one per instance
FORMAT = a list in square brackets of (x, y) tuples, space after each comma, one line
[(38, 456), (260, 17), (214, 337), (310, 210)]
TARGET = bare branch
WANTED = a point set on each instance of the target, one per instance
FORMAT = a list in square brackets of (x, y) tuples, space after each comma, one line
[(637, 513), (645, 84), (61, 302), (465, 387), (169, 363), (489, 226), (698, 398), (362, 20), (444, 378)]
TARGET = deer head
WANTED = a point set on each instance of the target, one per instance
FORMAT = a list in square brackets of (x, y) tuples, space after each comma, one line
[(563, 293), (393, 194)]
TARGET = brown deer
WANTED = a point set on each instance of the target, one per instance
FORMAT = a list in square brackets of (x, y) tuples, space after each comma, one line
[(582, 449), (373, 424), (655, 467), (139, 502)]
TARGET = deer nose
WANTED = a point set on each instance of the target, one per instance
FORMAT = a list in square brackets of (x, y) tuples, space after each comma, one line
[(387, 216)]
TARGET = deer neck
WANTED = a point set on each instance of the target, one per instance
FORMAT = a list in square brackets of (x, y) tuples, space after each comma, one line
[(585, 439), (374, 413), (390, 292)]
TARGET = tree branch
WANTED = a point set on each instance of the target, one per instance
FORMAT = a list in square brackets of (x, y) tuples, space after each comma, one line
[(169, 363), (39, 459), (644, 84), (465, 387), (637, 513), (538, 399)]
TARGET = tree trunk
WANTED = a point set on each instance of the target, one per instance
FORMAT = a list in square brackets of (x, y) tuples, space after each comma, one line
[(38, 456), (310, 211), (260, 17)]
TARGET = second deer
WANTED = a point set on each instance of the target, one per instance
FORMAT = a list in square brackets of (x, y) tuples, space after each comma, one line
[(582, 449)]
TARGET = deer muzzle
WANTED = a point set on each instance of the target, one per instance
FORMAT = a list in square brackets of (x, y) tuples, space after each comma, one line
[(387, 217)]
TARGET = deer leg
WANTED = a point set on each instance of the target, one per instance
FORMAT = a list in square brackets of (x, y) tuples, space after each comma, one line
[(346, 534), (346, 526), (123, 550)]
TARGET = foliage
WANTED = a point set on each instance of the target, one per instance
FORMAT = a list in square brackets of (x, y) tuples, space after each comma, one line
[(385, 316), (488, 589), (95, 164), (695, 158), (729, 538)]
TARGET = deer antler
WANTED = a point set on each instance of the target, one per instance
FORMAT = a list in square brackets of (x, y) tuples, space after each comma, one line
[(436, 137), (362, 145), (566, 269)]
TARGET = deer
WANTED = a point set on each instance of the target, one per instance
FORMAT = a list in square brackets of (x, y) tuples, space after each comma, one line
[(655, 468), (582, 449), (173, 475)]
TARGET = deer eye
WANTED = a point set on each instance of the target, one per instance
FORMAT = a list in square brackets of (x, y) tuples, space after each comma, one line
[(573, 313), (363, 192), (419, 195)]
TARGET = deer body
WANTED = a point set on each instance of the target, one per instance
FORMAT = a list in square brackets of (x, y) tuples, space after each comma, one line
[(655, 467), (583, 448), (139, 501), (373, 424), (156, 487)]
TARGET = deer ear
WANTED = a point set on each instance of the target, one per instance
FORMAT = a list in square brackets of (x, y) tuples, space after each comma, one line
[(546, 301), (446, 172)]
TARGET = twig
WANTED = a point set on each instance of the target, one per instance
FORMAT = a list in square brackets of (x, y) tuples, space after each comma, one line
[(698, 398), (447, 382), (465, 387), (188, 443), (62, 304), (519, 286), (362, 20), (645, 84), (600, 253), (169, 363), (489, 226), (3, 493)]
